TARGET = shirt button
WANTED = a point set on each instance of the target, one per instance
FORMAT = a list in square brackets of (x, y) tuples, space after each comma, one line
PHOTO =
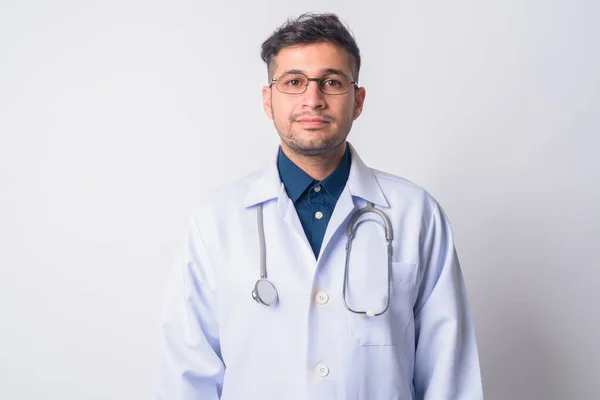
[(322, 298), (317, 189), (318, 215), (322, 370)]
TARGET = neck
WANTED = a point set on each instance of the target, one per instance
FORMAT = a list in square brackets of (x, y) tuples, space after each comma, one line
[(318, 166)]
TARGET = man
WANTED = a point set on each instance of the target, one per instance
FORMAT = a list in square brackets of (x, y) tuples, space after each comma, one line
[(264, 304)]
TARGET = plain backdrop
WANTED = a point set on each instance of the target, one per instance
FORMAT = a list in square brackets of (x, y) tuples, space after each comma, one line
[(117, 117)]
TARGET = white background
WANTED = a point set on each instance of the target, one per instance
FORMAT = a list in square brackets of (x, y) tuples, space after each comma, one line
[(116, 117)]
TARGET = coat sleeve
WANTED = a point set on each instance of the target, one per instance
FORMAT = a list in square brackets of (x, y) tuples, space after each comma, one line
[(446, 359), (189, 359)]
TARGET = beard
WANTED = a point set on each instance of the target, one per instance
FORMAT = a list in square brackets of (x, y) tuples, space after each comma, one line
[(313, 142)]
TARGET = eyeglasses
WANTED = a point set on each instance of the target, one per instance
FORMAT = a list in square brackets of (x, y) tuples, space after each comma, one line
[(297, 83)]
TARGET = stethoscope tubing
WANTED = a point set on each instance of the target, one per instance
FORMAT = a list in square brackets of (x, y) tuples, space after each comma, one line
[(352, 226)]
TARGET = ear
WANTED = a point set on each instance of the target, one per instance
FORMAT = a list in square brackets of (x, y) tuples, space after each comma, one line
[(359, 100), (266, 98)]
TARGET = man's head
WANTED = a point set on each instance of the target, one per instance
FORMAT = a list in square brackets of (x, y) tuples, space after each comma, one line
[(313, 96)]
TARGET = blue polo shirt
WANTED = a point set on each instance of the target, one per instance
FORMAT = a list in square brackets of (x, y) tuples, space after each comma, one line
[(314, 200)]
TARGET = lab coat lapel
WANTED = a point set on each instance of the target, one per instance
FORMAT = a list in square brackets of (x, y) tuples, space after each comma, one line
[(343, 208), (268, 186), (363, 184), (288, 212)]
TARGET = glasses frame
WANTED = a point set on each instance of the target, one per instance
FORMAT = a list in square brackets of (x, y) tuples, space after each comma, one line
[(308, 80)]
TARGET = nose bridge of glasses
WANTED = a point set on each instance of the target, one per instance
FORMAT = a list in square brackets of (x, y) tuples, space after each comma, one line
[(319, 89)]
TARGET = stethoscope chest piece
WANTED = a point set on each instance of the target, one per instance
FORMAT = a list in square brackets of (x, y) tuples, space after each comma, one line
[(264, 292)]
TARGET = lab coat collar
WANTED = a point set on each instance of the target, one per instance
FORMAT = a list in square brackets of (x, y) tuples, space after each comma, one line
[(266, 186), (361, 183)]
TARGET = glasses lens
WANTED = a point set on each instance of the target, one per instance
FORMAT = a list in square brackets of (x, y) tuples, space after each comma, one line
[(335, 84), (292, 83)]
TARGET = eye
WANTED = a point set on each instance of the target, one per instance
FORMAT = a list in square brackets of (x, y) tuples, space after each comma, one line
[(293, 82), (332, 82)]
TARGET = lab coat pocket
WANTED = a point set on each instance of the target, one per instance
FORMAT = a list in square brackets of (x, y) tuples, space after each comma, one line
[(370, 292)]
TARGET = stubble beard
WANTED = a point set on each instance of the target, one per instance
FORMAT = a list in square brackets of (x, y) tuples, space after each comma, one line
[(325, 147)]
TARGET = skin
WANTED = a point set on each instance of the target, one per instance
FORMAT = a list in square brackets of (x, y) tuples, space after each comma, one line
[(313, 126)]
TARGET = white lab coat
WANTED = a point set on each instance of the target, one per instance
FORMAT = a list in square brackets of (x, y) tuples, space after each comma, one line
[(217, 342)]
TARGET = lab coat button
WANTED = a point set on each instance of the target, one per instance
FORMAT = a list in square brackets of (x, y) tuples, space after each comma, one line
[(322, 298), (322, 370), (318, 215)]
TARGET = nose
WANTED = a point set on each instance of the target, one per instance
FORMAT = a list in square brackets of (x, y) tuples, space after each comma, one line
[(313, 98)]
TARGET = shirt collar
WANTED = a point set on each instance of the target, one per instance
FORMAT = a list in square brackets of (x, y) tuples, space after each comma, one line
[(336, 181), (267, 185), (296, 181)]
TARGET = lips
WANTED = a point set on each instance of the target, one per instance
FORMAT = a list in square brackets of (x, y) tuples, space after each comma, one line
[(312, 122)]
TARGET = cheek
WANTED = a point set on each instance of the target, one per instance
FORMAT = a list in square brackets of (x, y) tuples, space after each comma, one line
[(345, 109), (282, 110)]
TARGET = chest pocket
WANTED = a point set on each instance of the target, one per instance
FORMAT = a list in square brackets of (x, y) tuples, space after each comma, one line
[(368, 290)]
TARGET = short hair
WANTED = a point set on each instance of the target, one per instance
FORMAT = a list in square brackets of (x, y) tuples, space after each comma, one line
[(311, 28)]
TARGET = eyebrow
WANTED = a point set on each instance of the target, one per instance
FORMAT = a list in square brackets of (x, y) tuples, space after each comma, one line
[(323, 72)]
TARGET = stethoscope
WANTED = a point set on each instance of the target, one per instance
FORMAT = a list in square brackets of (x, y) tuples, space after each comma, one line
[(264, 290)]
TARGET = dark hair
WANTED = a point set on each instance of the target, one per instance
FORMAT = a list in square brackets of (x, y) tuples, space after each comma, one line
[(311, 28)]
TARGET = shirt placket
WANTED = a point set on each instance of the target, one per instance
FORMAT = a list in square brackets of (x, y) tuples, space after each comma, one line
[(320, 214)]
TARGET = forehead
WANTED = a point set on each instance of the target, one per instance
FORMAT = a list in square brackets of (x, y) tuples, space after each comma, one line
[(312, 59)]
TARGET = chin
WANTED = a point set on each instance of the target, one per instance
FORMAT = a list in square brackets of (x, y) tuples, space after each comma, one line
[(316, 147)]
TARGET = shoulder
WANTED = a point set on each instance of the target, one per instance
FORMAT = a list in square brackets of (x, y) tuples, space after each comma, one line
[(413, 204), (227, 198), (397, 188), (396, 181)]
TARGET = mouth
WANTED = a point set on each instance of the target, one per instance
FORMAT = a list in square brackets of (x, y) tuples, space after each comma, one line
[(312, 122)]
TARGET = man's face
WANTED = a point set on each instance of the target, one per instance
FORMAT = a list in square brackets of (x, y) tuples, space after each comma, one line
[(312, 123)]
